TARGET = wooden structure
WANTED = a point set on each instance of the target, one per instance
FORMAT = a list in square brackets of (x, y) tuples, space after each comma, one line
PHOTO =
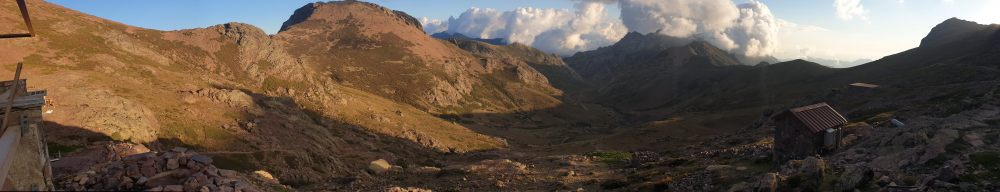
[(806, 131)]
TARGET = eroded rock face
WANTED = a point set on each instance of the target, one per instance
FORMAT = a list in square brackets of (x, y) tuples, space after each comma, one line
[(118, 117)]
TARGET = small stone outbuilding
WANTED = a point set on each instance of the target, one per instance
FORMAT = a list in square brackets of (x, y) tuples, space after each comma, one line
[(806, 131)]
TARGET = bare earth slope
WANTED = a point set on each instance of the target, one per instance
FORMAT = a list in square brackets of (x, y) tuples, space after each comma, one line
[(228, 88)]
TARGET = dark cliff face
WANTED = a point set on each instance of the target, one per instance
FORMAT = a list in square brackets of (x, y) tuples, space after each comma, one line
[(300, 15)]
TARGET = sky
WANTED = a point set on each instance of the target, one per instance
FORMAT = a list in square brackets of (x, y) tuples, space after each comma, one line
[(843, 30)]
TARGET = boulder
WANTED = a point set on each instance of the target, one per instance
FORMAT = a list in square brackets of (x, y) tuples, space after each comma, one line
[(974, 139), (853, 177), (172, 164), (767, 182), (379, 166), (176, 188), (264, 175)]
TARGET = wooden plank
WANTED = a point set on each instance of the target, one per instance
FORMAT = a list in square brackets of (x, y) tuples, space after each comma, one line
[(8, 145)]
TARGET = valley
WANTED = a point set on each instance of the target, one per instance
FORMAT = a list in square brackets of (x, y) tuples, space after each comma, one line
[(345, 84)]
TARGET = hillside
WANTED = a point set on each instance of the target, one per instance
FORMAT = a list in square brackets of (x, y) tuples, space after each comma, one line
[(653, 75), (385, 52), (353, 96), (227, 88)]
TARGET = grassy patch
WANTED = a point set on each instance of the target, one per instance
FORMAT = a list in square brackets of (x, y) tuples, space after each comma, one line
[(238, 162), (612, 157), (56, 149), (989, 161)]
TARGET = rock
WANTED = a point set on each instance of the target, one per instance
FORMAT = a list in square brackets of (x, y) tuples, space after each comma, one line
[(951, 170), (202, 159), (408, 189), (142, 180), (425, 170), (497, 167), (172, 164), (240, 185), (767, 182), (264, 175), (179, 149), (148, 170), (740, 187), (132, 170), (379, 166), (943, 184), (973, 139), (205, 189), (227, 173), (176, 188), (155, 189), (212, 171), (936, 146), (226, 189), (853, 177)]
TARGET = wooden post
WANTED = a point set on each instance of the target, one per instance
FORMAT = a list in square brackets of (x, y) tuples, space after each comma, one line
[(10, 101)]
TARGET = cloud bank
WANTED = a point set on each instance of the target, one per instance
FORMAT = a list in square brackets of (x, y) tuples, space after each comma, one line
[(557, 31), (747, 29)]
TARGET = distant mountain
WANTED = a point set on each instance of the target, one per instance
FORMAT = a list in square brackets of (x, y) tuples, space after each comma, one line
[(651, 73), (837, 63), (446, 36), (658, 73)]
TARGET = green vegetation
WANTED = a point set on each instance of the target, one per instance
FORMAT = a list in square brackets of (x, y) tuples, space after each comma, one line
[(617, 158), (988, 160), (238, 162), (117, 136), (56, 149)]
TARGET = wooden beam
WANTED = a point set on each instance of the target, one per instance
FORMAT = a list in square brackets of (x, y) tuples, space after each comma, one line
[(27, 22), (27, 19)]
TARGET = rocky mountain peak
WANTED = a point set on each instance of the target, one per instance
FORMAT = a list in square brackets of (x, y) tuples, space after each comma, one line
[(323, 11), (950, 30)]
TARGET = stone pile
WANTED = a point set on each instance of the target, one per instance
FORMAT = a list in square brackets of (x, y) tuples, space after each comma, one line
[(640, 157), (175, 170), (748, 151)]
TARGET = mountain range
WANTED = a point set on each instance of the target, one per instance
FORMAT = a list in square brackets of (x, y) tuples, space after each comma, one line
[(346, 83)]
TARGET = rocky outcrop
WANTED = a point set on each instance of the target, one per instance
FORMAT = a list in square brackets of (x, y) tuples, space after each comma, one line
[(121, 118), (949, 31), (175, 170)]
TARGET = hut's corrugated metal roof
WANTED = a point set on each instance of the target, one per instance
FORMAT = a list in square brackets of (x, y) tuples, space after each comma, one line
[(865, 85), (818, 117)]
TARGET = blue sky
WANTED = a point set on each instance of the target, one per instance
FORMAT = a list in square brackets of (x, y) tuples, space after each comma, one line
[(867, 29)]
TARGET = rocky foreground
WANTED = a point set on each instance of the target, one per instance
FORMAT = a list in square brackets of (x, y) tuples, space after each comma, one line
[(176, 170)]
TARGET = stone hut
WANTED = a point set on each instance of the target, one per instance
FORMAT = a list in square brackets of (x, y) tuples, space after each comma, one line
[(806, 131)]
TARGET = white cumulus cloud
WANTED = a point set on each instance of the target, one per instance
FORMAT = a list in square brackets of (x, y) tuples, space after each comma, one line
[(557, 31), (850, 9), (747, 29), (433, 25)]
